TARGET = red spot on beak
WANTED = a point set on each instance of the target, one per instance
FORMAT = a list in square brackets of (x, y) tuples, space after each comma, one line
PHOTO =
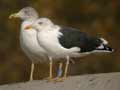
[(28, 27)]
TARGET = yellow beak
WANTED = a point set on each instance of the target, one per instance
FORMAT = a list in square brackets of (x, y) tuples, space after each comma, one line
[(15, 15)]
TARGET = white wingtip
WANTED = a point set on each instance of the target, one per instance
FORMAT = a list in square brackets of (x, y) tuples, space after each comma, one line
[(104, 41)]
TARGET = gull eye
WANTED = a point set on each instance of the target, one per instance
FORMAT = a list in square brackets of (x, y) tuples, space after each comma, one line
[(40, 23), (25, 11)]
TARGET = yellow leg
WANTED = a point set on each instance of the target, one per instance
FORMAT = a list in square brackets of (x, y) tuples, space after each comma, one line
[(32, 71), (50, 78), (66, 68), (50, 70)]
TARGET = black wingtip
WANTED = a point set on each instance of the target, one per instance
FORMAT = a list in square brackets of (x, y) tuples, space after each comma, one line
[(106, 48)]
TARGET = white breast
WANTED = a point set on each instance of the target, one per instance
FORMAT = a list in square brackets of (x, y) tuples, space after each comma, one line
[(29, 44)]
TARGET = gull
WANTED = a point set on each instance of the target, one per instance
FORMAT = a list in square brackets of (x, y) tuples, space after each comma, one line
[(67, 42), (28, 40)]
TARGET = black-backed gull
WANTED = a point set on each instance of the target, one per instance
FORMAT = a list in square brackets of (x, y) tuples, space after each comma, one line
[(66, 42)]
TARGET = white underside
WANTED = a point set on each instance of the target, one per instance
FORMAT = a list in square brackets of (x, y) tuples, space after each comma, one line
[(30, 45)]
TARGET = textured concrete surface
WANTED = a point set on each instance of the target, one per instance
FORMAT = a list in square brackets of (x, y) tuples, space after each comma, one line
[(106, 81)]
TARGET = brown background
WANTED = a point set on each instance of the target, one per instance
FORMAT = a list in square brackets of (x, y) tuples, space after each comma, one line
[(96, 17)]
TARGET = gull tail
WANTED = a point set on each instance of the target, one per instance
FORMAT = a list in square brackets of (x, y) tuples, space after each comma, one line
[(104, 47)]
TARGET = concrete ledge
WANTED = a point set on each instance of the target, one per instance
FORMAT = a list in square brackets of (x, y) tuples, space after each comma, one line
[(106, 81)]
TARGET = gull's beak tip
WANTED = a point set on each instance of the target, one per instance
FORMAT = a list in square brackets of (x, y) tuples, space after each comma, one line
[(11, 16), (15, 15)]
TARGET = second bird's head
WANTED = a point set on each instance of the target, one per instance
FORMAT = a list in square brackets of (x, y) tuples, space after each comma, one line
[(41, 24)]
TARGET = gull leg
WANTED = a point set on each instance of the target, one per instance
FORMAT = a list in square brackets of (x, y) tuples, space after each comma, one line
[(59, 73), (66, 68), (32, 71), (50, 69), (59, 79)]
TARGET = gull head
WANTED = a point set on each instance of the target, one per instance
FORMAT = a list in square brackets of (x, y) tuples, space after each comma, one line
[(25, 14), (42, 24)]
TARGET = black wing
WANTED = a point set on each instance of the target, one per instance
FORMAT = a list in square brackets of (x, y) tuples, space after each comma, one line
[(74, 38)]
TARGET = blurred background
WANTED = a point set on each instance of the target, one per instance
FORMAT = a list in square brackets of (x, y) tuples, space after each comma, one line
[(96, 17)]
